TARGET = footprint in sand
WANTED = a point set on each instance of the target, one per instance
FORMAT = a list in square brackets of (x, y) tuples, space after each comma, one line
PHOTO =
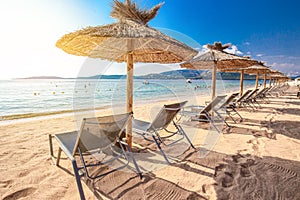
[(258, 178), (5, 184), (209, 191), (23, 173), (19, 193), (258, 146)]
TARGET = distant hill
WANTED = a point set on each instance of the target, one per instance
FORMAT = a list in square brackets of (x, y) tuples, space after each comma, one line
[(104, 77), (195, 74), (42, 77), (227, 76), (174, 74), (294, 77)]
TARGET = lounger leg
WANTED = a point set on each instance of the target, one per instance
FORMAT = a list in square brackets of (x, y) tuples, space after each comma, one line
[(259, 106), (160, 149), (224, 120), (134, 162), (210, 119), (51, 145), (229, 114), (183, 133), (79, 185), (55, 160), (58, 157), (241, 118)]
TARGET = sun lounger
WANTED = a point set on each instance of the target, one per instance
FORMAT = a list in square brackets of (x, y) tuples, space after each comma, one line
[(230, 109), (161, 122), (203, 113), (278, 90), (237, 102), (250, 99), (262, 95), (99, 138)]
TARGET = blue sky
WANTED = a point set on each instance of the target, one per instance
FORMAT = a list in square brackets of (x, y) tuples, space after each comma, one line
[(266, 30)]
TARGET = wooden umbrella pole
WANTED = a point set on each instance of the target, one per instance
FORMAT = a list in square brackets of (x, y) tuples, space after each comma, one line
[(129, 92), (265, 80), (256, 81), (270, 82), (242, 83), (214, 80)]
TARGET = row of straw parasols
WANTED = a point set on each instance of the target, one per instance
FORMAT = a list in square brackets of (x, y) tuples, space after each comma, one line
[(217, 59), (131, 40)]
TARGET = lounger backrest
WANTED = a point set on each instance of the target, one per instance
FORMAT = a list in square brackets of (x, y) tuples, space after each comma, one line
[(251, 95), (166, 115), (243, 96), (261, 92), (229, 100), (209, 107), (99, 132)]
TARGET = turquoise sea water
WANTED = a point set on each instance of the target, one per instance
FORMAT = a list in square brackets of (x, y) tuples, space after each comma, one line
[(37, 96)]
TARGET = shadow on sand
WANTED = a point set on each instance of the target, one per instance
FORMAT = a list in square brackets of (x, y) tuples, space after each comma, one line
[(249, 177), (236, 177), (288, 128)]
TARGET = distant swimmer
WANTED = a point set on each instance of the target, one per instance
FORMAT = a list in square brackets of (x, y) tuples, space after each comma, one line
[(197, 87), (188, 81)]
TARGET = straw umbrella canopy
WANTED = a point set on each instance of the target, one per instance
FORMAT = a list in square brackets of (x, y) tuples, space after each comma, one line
[(258, 69), (275, 75), (128, 40), (278, 76), (217, 59)]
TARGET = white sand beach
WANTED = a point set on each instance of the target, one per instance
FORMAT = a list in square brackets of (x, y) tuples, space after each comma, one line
[(260, 154)]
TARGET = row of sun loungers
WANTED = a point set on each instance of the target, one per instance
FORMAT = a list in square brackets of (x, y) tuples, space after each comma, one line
[(103, 138)]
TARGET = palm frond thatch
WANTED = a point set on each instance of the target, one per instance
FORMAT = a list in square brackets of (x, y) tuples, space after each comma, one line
[(130, 11), (218, 46)]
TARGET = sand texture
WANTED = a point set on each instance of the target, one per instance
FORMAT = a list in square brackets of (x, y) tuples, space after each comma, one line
[(258, 158)]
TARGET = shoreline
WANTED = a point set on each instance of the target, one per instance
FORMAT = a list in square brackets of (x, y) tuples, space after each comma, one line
[(24, 117), (46, 103)]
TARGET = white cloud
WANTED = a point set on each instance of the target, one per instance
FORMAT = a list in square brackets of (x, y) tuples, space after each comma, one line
[(233, 50), (259, 55), (287, 68)]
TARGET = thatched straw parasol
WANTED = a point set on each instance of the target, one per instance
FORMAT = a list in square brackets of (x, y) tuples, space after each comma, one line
[(128, 40), (217, 59), (258, 69), (272, 73), (277, 76)]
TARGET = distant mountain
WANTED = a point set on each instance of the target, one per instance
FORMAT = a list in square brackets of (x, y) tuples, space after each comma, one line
[(195, 74), (236, 76), (294, 77), (227, 76), (104, 77), (186, 73), (175, 74), (42, 77)]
